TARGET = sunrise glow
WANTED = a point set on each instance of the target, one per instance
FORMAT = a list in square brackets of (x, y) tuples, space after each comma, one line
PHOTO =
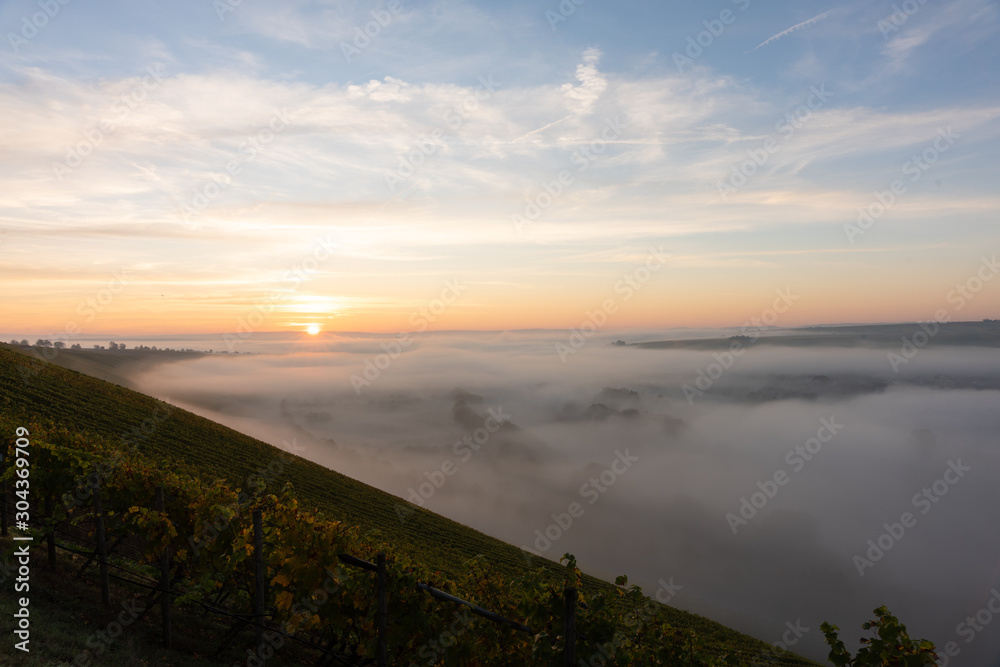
[(221, 179)]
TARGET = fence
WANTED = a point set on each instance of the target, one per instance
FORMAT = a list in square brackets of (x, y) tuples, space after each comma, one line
[(163, 589)]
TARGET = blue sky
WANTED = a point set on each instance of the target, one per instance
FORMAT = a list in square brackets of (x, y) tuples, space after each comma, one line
[(664, 135)]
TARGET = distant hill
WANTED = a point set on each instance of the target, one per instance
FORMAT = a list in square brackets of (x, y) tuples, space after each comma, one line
[(982, 334)]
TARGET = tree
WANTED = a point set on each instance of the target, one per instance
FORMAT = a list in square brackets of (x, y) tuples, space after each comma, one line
[(59, 345), (76, 346), (112, 345), (43, 343), (24, 341), (890, 647)]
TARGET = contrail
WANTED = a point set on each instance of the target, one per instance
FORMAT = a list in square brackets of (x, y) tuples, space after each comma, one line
[(522, 138), (792, 29)]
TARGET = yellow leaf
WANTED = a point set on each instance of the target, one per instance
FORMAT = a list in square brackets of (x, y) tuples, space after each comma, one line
[(283, 600)]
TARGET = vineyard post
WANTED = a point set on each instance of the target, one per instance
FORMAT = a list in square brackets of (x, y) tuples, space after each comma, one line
[(258, 557), (164, 575), (102, 546), (383, 610), (570, 630), (50, 535), (3, 501)]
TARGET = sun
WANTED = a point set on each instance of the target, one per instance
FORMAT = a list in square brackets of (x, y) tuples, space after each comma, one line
[(312, 329)]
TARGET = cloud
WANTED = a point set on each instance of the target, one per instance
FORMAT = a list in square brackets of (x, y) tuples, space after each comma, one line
[(592, 83), (792, 560), (390, 90), (971, 21), (327, 171), (899, 48)]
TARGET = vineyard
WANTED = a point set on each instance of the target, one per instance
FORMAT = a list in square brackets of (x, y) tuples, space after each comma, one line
[(285, 551)]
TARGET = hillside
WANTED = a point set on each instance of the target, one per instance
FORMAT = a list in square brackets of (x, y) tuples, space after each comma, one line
[(883, 336), (83, 404)]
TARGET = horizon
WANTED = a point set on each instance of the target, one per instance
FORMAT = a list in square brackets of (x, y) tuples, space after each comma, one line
[(604, 332)]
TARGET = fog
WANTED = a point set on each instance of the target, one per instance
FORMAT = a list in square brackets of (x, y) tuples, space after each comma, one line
[(667, 470)]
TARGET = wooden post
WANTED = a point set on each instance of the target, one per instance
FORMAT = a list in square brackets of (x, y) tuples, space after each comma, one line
[(164, 575), (102, 547), (569, 635), (258, 600), (50, 537), (382, 619), (3, 503)]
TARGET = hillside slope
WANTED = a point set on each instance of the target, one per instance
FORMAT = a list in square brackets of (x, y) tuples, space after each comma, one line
[(47, 392)]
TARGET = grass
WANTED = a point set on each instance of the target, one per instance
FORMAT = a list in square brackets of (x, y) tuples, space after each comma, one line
[(69, 625)]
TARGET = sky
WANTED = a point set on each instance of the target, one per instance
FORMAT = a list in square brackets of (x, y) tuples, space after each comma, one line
[(364, 166)]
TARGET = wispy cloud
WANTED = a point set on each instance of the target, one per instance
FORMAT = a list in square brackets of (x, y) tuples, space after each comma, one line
[(797, 26), (899, 49)]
